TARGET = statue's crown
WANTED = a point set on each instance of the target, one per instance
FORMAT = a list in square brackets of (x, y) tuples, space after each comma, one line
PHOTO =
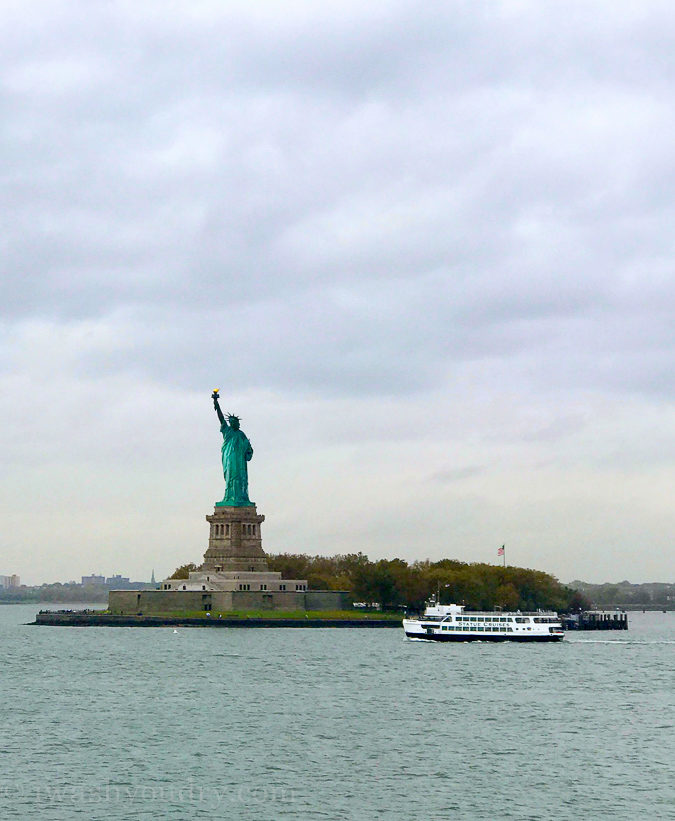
[(231, 416)]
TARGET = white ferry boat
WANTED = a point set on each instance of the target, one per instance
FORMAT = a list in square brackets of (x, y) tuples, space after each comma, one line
[(451, 622)]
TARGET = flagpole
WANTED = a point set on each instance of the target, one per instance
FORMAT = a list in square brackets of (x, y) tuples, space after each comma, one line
[(504, 553)]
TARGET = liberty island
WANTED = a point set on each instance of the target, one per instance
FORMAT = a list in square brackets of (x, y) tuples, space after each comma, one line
[(234, 580)]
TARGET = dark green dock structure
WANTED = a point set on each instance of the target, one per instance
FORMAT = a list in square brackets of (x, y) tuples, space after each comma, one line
[(597, 620)]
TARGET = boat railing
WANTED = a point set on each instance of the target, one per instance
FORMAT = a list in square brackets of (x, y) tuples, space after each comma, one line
[(493, 613)]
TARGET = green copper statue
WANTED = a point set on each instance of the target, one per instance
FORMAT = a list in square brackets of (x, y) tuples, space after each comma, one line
[(236, 452)]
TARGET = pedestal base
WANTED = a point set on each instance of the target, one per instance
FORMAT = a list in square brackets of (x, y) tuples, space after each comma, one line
[(235, 542)]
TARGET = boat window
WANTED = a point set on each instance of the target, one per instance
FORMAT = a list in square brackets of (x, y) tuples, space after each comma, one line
[(520, 620)]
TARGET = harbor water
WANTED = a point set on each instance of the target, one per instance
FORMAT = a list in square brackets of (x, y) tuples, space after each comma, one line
[(129, 723)]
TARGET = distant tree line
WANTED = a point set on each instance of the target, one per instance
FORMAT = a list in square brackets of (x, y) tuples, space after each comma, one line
[(627, 594), (56, 592), (394, 583)]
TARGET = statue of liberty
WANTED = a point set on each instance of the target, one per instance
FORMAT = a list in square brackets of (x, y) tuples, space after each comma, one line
[(236, 452)]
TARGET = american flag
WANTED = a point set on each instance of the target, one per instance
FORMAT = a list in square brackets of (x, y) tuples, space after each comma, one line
[(500, 551)]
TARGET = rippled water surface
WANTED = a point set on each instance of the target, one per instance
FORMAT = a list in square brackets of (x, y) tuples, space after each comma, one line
[(129, 723)]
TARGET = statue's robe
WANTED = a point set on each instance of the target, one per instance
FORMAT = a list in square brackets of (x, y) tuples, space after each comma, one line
[(235, 452)]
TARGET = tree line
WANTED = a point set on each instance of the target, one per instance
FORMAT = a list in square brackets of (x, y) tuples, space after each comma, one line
[(394, 583)]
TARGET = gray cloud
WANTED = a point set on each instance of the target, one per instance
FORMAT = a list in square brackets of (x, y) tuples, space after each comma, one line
[(453, 213)]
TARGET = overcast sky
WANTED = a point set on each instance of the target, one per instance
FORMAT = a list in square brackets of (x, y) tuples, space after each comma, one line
[(424, 249)]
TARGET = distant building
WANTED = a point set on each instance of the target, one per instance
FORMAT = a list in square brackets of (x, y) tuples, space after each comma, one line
[(93, 579), (9, 582), (117, 580)]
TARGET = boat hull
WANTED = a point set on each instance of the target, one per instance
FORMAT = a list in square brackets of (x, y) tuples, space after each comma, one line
[(455, 637)]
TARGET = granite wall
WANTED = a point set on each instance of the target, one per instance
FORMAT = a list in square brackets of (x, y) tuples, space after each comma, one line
[(149, 602)]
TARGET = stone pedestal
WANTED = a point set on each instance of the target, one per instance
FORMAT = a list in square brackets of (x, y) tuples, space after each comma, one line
[(235, 542)]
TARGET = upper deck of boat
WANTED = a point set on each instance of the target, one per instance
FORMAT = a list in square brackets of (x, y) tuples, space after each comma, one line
[(483, 615)]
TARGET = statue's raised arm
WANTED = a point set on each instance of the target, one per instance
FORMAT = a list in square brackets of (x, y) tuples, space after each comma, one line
[(216, 405)]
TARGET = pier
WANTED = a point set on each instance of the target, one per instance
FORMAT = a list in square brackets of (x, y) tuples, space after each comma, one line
[(597, 620)]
